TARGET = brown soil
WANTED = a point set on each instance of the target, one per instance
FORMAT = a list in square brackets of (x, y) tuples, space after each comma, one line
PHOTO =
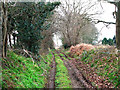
[(75, 81), (51, 81), (77, 78)]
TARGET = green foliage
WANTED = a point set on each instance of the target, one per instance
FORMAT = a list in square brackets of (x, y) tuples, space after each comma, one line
[(109, 41), (105, 64), (0, 73), (29, 22), (114, 39), (20, 72), (104, 41)]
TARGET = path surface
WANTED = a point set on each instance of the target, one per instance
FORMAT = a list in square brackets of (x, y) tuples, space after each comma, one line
[(75, 81), (77, 78), (51, 82)]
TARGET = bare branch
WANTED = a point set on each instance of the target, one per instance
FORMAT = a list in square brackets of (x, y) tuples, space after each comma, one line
[(72, 17), (98, 21)]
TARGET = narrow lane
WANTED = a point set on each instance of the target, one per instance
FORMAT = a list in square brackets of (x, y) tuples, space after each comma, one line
[(78, 80), (75, 81), (76, 77)]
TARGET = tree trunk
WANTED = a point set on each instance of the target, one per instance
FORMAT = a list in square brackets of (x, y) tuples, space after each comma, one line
[(4, 49), (118, 27), (0, 29), (118, 34), (6, 45)]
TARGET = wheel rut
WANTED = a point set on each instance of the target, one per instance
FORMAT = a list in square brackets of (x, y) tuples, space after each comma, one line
[(51, 81), (77, 78), (75, 81)]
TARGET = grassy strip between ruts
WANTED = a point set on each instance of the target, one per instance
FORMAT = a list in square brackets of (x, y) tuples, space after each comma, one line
[(62, 79), (20, 72)]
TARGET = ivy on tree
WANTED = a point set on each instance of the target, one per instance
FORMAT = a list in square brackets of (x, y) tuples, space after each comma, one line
[(29, 23)]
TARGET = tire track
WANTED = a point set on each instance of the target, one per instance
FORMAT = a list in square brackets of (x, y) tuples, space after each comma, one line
[(77, 78), (51, 81)]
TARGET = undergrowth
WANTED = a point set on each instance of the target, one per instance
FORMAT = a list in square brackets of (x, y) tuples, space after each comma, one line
[(104, 63), (21, 72)]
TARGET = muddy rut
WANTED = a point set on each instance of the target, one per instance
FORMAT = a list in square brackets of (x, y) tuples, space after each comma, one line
[(51, 81), (77, 78)]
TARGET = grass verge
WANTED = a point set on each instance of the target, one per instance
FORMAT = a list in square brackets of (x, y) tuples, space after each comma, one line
[(103, 64), (20, 72)]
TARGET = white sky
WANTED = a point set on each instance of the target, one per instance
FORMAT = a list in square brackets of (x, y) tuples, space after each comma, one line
[(107, 10), (109, 31)]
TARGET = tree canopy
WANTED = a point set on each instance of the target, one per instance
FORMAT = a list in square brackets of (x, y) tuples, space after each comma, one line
[(28, 20)]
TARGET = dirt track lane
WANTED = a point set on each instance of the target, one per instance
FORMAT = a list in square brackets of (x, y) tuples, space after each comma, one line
[(78, 80), (75, 81)]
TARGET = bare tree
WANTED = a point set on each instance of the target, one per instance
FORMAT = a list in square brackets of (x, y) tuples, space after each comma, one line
[(47, 41), (89, 34), (71, 18)]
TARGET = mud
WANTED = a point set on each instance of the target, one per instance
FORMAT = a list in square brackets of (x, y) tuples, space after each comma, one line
[(76, 76), (51, 81)]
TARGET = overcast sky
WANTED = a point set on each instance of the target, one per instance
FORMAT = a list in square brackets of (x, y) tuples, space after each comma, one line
[(107, 9), (109, 31)]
